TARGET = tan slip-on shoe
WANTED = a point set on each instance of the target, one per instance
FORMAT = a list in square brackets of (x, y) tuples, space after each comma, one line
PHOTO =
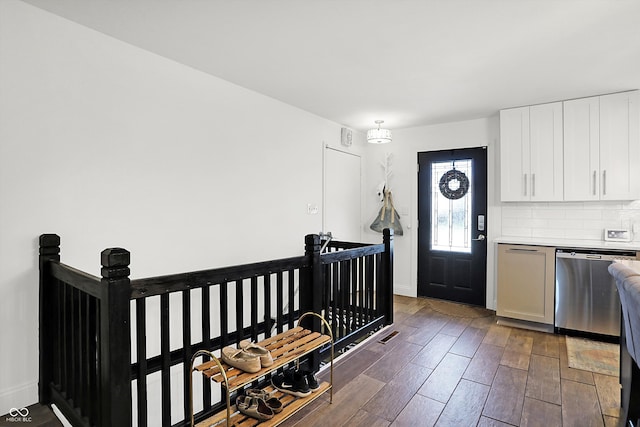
[(272, 402), (256, 350), (254, 407), (240, 359)]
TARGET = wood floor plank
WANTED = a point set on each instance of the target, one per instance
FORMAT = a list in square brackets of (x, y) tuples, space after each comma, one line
[(507, 395), (422, 336), (365, 419), (346, 402), (484, 364), (543, 382), (517, 351), (455, 326), (490, 422), (468, 342), (520, 343), (420, 411), (580, 407), (536, 413), (611, 421), (465, 405), (393, 361), (395, 395), (608, 389), (435, 350), (497, 335), (483, 322), (546, 344), (444, 379), (349, 369), (515, 359)]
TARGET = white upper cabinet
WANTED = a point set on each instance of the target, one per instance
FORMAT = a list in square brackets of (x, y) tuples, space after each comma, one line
[(581, 149), (531, 153), (602, 148), (619, 146)]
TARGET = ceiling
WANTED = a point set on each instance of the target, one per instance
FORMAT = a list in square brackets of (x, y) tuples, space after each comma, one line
[(408, 62)]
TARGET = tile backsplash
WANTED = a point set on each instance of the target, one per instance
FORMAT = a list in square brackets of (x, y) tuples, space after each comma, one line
[(581, 220)]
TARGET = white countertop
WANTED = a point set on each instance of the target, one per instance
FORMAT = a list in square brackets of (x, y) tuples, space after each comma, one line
[(567, 243)]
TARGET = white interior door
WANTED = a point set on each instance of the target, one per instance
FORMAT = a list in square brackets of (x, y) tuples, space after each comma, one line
[(342, 193)]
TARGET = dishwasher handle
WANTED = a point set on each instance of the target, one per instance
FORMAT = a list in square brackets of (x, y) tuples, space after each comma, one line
[(596, 256)]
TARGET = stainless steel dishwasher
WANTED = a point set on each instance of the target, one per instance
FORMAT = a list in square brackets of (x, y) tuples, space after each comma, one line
[(586, 295)]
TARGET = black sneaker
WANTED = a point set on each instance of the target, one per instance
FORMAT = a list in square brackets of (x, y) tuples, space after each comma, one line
[(314, 385), (292, 383)]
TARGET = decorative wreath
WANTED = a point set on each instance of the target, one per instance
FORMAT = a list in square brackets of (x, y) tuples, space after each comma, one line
[(445, 184)]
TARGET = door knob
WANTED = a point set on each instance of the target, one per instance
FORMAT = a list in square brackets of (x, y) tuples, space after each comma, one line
[(480, 237)]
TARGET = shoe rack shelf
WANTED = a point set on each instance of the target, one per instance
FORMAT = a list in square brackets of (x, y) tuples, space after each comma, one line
[(285, 348)]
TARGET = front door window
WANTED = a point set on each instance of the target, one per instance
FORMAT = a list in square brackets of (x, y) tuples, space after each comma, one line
[(451, 206)]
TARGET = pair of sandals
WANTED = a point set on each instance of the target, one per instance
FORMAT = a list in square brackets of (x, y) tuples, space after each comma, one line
[(258, 404), (249, 357)]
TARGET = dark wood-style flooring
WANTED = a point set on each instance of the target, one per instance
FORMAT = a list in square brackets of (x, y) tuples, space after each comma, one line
[(446, 370)]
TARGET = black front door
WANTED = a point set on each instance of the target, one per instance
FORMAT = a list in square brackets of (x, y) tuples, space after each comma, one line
[(452, 221)]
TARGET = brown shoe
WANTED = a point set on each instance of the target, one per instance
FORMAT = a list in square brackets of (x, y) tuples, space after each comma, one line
[(272, 402), (240, 359), (254, 407), (256, 350)]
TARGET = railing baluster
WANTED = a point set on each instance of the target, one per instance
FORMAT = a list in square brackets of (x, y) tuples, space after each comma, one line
[(239, 306), (186, 351), (254, 310), (166, 360), (326, 302), (224, 315), (361, 320), (292, 297), (92, 359), (279, 301), (369, 286), (141, 355), (83, 368), (206, 339), (335, 296), (267, 305), (353, 301)]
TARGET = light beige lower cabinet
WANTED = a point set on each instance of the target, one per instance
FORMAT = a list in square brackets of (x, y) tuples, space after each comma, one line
[(526, 282)]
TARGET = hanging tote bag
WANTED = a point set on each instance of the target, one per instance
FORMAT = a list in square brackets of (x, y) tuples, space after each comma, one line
[(388, 217)]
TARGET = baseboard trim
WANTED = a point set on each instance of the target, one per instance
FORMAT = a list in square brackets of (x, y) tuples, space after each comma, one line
[(524, 324), (19, 396)]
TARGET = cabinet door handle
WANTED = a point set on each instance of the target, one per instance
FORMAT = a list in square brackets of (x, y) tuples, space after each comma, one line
[(525, 184), (594, 183), (533, 185), (604, 182), (521, 250)]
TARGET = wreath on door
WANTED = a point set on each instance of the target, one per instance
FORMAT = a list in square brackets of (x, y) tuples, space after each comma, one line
[(454, 184)]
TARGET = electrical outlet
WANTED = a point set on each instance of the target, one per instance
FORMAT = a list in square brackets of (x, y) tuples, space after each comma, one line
[(312, 209)]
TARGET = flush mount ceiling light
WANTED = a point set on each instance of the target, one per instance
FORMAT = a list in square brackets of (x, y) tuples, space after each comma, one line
[(379, 136)]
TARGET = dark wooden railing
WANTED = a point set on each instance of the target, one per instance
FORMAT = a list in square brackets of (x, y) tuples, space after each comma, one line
[(110, 344)]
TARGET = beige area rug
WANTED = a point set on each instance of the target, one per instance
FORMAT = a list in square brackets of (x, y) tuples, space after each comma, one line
[(594, 356), (456, 309)]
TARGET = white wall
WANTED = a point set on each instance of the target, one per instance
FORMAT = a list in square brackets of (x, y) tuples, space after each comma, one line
[(403, 183), (109, 145)]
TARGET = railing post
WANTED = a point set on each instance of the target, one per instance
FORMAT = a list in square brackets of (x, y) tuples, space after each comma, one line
[(115, 342), (387, 272), (311, 289), (49, 251), (311, 286)]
